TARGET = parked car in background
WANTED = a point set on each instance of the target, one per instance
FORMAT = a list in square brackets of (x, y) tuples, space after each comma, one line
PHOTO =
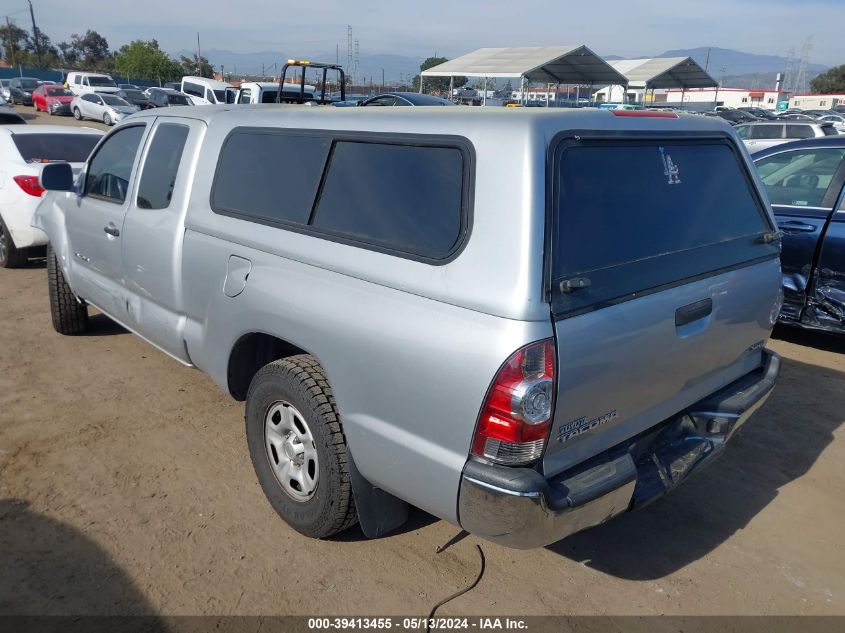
[(268, 92), (837, 120), (797, 116), (405, 99), (805, 181), (4, 89), (52, 99), (580, 361), (760, 113), (107, 108), (129, 87), (21, 89), (10, 117), (80, 83), (736, 116), (163, 97), (762, 135), (172, 85), (23, 150), (205, 91), (136, 98)]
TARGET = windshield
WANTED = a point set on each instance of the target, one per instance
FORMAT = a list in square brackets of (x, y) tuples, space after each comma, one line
[(41, 148), (101, 82), (58, 92), (133, 94), (29, 84), (113, 101), (178, 99)]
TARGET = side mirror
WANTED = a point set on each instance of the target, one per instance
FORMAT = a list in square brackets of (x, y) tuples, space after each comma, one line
[(56, 177)]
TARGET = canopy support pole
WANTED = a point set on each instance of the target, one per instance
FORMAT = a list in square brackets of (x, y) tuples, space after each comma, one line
[(683, 96), (522, 90), (421, 83), (577, 96), (484, 96), (451, 87)]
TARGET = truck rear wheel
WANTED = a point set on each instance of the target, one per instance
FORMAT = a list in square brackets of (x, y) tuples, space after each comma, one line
[(298, 448), (10, 255), (69, 315)]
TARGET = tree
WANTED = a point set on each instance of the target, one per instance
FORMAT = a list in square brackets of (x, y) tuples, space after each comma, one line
[(830, 82), (145, 60), (91, 50), (435, 84), (197, 66), (14, 40)]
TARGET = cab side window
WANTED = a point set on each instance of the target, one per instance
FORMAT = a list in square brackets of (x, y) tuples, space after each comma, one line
[(245, 95), (161, 166), (110, 169)]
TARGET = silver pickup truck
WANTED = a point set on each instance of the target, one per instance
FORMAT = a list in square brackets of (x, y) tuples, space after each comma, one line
[(523, 322)]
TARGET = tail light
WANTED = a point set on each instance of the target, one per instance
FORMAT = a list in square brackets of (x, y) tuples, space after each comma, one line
[(30, 185), (517, 413)]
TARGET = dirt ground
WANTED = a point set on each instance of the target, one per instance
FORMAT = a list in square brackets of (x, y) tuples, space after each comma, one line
[(126, 488)]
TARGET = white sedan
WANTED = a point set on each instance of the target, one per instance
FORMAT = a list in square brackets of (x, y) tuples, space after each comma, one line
[(101, 107), (23, 149)]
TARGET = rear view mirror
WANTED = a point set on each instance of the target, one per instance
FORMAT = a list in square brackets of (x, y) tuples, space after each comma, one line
[(56, 177)]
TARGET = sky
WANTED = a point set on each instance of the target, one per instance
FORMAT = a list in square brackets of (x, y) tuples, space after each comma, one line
[(452, 27)]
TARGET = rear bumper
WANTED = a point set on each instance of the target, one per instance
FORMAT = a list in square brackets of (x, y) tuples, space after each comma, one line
[(518, 507)]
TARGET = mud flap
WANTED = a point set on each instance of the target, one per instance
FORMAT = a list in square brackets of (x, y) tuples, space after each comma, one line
[(379, 512)]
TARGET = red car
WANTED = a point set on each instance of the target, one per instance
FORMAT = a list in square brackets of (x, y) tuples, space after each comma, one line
[(52, 99)]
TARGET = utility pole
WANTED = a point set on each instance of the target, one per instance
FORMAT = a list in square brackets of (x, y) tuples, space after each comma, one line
[(35, 33), (199, 56), (9, 36), (382, 79), (707, 61)]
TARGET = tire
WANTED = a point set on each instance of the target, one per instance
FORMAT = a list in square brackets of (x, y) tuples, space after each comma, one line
[(297, 385), (77, 114), (107, 119), (10, 255), (69, 315)]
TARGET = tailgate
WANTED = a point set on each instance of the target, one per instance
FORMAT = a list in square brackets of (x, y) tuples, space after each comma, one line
[(665, 271)]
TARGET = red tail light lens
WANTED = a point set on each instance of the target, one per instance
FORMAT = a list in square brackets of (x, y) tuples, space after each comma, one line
[(30, 185), (517, 413)]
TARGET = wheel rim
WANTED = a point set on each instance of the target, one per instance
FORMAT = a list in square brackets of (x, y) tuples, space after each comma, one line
[(291, 451), (4, 245)]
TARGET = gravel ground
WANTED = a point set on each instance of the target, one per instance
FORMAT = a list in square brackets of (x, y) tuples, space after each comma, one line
[(126, 488)]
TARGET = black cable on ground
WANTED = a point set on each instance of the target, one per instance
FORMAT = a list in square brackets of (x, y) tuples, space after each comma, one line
[(459, 593)]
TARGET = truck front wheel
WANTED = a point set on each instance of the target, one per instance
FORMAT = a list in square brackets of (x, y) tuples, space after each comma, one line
[(69, 315), (297, 446)]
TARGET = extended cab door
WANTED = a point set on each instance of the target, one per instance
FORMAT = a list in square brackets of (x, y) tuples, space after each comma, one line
[(95, 219), (803, 187), (153, 231)]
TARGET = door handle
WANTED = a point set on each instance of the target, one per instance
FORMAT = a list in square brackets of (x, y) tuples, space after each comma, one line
[(693, 312), (796, 227), (112, 230)]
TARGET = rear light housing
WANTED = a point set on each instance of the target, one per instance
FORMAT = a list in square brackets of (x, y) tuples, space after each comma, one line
[(516, 416), (30, 185)]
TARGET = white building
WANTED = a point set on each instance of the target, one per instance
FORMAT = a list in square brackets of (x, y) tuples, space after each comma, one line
[(816, 102), (720, 97)]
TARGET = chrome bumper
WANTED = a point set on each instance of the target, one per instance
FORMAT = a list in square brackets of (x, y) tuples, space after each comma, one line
[(518, 507)]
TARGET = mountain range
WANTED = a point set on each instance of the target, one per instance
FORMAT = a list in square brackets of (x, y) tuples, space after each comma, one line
[(739, 69)]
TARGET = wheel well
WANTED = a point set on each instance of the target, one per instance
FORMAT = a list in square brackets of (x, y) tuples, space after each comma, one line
[(251, 353)]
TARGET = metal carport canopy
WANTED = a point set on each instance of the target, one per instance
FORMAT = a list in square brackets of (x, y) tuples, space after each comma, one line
[(544, 64), (664, 72)]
